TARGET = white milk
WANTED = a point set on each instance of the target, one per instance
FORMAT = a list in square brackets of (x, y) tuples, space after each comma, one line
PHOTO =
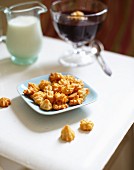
[(24, 36)]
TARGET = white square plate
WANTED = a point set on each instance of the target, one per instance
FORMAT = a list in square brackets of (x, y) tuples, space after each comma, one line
[(92, 96)]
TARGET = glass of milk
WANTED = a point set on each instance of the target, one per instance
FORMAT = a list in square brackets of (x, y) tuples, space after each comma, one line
[(24, 35)]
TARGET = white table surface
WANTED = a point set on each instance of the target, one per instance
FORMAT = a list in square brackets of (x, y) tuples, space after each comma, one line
[(33, 140)]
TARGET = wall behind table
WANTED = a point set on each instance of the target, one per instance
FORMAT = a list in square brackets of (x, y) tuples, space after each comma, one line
[(117, 33)]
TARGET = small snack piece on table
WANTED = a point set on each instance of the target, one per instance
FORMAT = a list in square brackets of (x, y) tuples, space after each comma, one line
[(4, 102), (67, 134), (86, 125)]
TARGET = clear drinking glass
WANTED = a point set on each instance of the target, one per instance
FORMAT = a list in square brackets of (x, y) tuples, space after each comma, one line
[(76, 22)]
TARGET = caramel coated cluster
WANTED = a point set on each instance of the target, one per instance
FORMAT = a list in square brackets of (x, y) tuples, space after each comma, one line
[(4, 102), (59, 93), (86, 125)]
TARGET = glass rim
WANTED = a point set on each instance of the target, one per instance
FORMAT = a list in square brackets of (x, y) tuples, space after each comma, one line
[(13, 10), (105, 10)]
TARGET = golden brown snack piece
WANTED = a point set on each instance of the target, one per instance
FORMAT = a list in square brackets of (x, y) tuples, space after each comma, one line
[(38, 100), (83, 92), (67, 134), (32, 88), (77, 15), (38, 97), (46, 105), (70, 78), (56, 87), (63, 81), (67, 89), (50, 96), (45, 85), (79, 82), (38, 94), (72, 96), (86, 125), (55, 77), (60, 98), (4, 102), (75, 99), (60, 106)]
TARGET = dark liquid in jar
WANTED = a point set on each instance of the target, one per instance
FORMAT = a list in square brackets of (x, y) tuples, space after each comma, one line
[(77, 30)]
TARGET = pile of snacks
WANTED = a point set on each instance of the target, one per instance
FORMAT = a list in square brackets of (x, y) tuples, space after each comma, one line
[(58, 93), (4, 102)]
